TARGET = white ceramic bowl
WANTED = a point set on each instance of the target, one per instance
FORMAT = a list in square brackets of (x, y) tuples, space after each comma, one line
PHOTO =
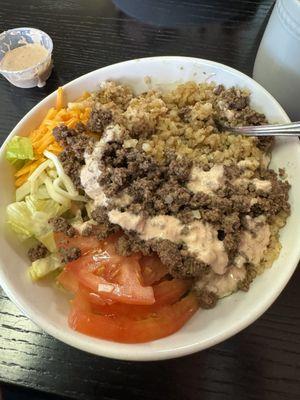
[(48, 308)]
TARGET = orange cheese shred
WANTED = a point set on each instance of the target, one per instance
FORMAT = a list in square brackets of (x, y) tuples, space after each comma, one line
[(42, 138)]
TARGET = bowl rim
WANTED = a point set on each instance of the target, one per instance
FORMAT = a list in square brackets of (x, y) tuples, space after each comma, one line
[(78, 341)]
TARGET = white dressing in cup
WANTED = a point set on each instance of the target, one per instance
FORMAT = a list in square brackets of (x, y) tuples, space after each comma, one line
[(26, 57)]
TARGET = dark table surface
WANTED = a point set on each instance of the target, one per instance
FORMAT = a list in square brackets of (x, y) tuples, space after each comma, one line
[(263, 361)]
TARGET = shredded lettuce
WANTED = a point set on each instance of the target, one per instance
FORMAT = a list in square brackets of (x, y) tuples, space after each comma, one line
[(30, 217), (47, 206), (19, 150), (48, 240), (42, 267), (47, 193), (19, 219)]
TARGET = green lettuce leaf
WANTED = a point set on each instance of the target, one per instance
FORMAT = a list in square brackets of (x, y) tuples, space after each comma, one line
[(42, 267), (30, 217), (19, 150)]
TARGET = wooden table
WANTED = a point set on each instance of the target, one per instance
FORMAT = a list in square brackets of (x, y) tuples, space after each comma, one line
[(263, 361)]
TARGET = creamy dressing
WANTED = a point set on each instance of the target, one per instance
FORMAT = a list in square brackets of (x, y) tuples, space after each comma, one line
[(24, 57), (262, 185), (206, 181), (255, 241), (202, 241), (90, 172), (200, 238), (222, 285), (259, 184)]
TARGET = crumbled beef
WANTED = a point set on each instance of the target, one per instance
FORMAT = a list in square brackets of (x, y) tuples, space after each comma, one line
[(234, 98), (180, 169), (72, 140), (130, 243), (252, 117), (170, 255), (60, 224), (71, 166), (177, 260), (75, 143), (142, 176), (70, 254), (80, 127), (37, 252), (186, 216), (200, 200), (99, 214), (212, 216), (218, 89), (265, 143), (238, 103), (231, 172), (104, 227), (206, 299), (99, 119)]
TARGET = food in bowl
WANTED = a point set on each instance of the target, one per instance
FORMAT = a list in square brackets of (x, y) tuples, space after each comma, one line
[(143, 209)]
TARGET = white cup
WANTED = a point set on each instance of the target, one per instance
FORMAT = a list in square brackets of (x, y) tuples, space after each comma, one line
[(36, 75), (277, 64)]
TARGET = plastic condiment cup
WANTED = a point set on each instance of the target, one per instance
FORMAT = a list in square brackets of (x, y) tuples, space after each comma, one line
[(35, 75)]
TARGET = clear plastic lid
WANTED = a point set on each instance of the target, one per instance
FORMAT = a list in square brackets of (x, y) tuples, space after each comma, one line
[(35, 75)]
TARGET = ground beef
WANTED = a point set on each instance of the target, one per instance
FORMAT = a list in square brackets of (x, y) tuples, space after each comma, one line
[(142, 176), (75, 143), (231, 172), (104, 227), (60, 224), (71, 166), (70, 254), (206, 299), (99, 119), (265, 143), (234, 98), (130, 243), (73, 140), (37, 252), (238, 103), (180, 170), (251, 117), (177, 260)]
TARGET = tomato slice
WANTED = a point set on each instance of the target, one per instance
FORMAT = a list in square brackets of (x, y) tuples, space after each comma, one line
[(165, 293), (166, 321), (153, 270), (112, 278), (168, 292)]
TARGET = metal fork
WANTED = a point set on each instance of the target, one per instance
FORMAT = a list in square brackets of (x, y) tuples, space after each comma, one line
[(291, 129)]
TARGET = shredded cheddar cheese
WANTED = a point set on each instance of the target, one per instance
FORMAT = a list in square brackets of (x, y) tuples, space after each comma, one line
[(42, 138)]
